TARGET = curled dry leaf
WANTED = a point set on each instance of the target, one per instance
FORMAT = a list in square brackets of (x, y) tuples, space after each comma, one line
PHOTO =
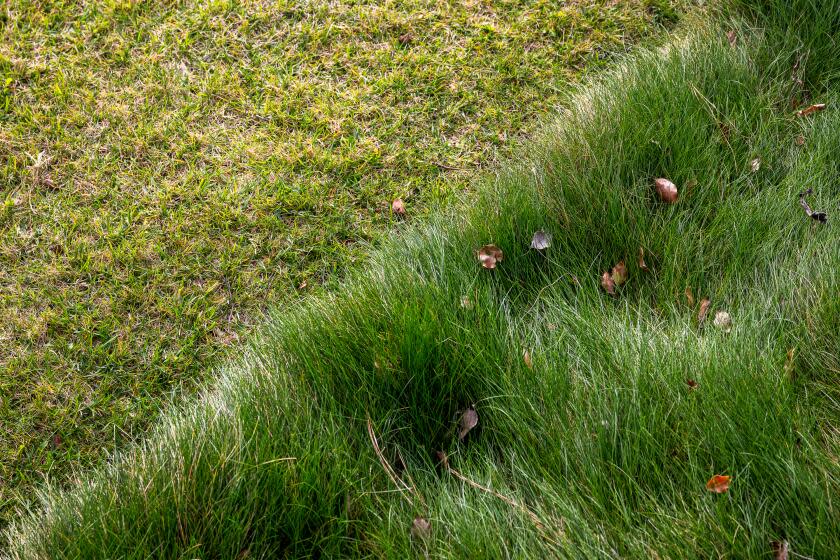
[(692, 384), (818, 216), (689, 296), (704, 310), (732, 37), (755, 165), (398, 207), (810, 110), (642, 264), (619, 274), (406, 38), (421, 528), (469, 420), (723, 321), (718, 483), (666, 190), (526, 357), (607, 283), (541, 240), (780, 550), (489, 255), (442, 458)]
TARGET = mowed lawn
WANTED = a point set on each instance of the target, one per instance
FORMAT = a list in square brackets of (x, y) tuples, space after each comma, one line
[(169, 169)]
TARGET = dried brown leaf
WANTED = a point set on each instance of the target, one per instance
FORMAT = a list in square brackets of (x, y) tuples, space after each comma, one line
[(526, 357), (689, 296), (619, 274), (732, 37), (810, 110), (704, 310), (692, 384), (642, 264), (800, 140), (666, 190), (489, 255), (607, 283), (469, 420), (421, 528), (780, 550)]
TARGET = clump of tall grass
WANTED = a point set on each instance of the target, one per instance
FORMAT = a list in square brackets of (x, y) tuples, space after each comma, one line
[(339, 425)]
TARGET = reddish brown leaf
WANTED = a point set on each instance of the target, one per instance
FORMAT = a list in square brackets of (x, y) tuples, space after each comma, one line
[(406, 38), (619, 274), (489, 255), (666, 190), (526, 357), (421, 528), (704, 310), (692, 384), (718, 484), (607, 283), (815, 108), (689, 297), (469, 420), (780, 550), (642, 264), (732, 37)]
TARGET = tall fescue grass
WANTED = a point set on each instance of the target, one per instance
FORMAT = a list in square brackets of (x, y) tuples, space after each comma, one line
[(601, 439)]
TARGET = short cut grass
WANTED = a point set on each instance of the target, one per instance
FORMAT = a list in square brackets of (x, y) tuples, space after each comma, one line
[(598, 448)]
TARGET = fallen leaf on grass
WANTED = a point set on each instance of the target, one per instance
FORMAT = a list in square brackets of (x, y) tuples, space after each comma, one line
[(723, 321), (780, 549), (755, 165), (421, 528), (691, 383), (607, 283), (800, 140), (527, 359), (489, 255), (818, 216), (541, 241), (619, 274), (815, 108), (616, 277), (469, 420), (398, 207), (666, 190), (406, 38), (642, 264), (718, 483), (704, 310), (732, 37), (689, 297)]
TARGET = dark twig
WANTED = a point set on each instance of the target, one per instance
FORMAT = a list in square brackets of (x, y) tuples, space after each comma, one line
[(819, 216)]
